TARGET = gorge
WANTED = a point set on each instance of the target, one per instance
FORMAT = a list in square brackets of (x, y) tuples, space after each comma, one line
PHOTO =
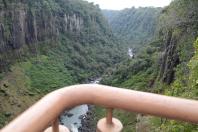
[(49, 44)]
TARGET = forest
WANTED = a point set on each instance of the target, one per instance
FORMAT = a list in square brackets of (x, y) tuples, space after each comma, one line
[(166, 64), (46, 45), (49, 44)]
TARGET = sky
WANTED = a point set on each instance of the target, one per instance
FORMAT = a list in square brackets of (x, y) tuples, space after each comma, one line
[(121, 4)]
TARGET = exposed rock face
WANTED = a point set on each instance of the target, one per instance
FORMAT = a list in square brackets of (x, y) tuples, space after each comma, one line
[(28, 27), (169, 59), (73, 23), (88, 123), (178, 29), (178, 48), (22, 28)]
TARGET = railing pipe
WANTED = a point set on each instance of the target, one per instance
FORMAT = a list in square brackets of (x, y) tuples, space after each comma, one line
[(38, 117), (109, 115), (55, 126)]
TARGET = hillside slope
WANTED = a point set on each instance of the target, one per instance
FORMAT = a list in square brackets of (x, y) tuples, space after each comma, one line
[(48, 44), (166, 65), (135, 25)]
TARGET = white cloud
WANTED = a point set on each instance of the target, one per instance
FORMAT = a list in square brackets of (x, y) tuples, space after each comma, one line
[(121, 4)]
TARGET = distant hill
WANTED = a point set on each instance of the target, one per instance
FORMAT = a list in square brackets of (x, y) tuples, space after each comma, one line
[(136, 26)]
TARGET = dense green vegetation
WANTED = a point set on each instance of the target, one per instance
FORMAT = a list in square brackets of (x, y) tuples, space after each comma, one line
[(138, 73), (135, 26), (128, 119), (49, 44), (163, 66)]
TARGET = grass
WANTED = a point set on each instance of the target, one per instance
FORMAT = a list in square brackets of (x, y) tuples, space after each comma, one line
[(14, 94), (128, 119)]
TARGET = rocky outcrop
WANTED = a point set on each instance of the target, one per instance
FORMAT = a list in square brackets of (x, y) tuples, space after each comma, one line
[(23, 27), (178, 30), (73, 23), (169, 59), (26, 27), (88, 123)]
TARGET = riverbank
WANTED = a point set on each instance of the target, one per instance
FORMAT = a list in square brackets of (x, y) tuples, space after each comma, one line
[(88, 122), (72, 119), (80, 118)]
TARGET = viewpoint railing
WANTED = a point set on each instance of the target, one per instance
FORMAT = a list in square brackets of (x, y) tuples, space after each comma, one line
[(46, 111)]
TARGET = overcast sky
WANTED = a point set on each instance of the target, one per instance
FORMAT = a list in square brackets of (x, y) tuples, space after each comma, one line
[(121, 4)]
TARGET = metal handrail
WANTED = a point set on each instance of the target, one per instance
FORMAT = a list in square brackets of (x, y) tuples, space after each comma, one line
[(44, 112)]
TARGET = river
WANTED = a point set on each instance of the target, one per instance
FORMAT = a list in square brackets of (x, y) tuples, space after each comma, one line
[(130, 53), (72, 119)]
